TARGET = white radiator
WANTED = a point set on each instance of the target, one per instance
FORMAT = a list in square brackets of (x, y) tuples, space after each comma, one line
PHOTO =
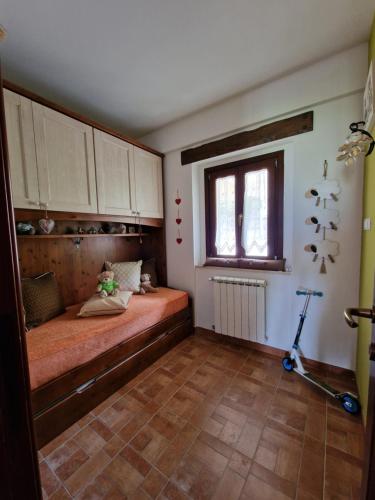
[(240, 307)]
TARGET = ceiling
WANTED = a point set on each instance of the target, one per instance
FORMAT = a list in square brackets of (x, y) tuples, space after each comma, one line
[(139, 64)]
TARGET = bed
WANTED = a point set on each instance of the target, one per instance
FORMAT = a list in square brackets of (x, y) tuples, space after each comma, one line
[(75, 363)]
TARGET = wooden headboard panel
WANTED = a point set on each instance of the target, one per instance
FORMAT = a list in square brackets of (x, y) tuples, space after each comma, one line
[(76, 269)]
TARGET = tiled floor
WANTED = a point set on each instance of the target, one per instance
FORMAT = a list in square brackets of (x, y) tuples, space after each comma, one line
[(210, 420)]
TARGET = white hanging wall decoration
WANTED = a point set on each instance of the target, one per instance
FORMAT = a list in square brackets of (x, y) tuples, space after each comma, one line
[(325, 193)]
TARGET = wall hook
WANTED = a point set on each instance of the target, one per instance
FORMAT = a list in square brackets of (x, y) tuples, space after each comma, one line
[(77, 242)]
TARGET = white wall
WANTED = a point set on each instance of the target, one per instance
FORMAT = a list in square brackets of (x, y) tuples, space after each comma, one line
[(333, 89)]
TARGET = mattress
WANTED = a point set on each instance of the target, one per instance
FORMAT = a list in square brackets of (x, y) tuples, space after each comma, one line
[(66, 342)]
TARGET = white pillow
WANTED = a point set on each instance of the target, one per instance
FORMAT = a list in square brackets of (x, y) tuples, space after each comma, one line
[(98, 306), (128, 274)]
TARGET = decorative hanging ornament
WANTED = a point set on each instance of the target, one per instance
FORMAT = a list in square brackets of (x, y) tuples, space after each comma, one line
[(324, 219), (178, 199), (359, 142), (323, 269), (179, 239), (178, 219), (323, 249), (46, 224)]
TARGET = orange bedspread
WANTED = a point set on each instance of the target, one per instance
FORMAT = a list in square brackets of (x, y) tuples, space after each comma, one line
[(67, 341)]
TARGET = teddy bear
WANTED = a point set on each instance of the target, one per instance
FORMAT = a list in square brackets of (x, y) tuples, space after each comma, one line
[(107, 285), (146, 285)]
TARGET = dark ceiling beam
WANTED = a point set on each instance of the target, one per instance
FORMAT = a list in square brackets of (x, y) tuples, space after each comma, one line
[(274, 131)]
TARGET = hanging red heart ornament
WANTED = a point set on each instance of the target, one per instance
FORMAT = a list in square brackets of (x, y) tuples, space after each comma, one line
[(178, 218), (178, 198)]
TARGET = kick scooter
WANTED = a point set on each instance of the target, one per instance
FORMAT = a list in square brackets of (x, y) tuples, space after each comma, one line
[(294, 363)]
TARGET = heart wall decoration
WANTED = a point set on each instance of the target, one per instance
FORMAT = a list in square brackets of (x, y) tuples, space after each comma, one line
[(178, 201), (178, 219), (46, 225)]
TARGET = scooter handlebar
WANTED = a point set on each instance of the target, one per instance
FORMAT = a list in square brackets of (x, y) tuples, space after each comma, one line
[(315, 293)]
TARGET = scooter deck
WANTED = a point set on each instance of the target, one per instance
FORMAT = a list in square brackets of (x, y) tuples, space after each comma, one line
[(319, 383)]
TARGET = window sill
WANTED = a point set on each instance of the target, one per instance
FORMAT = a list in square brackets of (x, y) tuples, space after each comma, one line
[(251, 272), (255, 264)]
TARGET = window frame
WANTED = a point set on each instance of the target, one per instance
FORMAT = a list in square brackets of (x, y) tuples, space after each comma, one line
[(274, 163)]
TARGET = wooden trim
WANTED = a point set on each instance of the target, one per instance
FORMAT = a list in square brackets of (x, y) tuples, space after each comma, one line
[(274, 131), (77, 116), (272, 351), (163, 236), (34, 214), (19, 470), (75, 236), (141, 352)]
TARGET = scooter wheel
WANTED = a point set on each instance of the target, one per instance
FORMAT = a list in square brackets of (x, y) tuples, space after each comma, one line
[(350, 404), (287, 364)]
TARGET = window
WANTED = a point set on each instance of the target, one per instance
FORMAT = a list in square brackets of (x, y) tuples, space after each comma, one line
[(244, 213)]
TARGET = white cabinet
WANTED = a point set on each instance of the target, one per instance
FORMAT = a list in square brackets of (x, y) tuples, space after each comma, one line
[(114, 160), (65, 159), (21, 148), (63, 164), (148, 184), (129, 179)]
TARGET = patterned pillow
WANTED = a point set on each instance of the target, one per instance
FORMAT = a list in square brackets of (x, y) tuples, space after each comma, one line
[(42, 299), (128, 274)]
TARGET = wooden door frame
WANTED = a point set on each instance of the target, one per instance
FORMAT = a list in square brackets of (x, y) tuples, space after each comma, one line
[(19, 468)]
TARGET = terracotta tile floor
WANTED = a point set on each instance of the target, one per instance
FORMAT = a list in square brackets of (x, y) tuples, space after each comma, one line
[(210, 420)]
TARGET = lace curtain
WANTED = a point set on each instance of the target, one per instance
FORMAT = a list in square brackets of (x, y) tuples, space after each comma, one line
[(225, 240), (255, 214)]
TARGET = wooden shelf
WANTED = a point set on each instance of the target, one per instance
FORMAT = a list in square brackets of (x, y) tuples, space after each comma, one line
[(73, 236), (34, 214)]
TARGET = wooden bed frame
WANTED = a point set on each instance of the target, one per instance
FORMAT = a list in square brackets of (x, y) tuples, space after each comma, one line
[(61, 402)]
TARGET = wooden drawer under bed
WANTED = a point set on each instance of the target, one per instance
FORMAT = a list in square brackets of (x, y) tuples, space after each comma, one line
[(63, 401)]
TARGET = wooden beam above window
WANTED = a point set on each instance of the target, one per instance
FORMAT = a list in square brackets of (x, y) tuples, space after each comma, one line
[(274, 131)]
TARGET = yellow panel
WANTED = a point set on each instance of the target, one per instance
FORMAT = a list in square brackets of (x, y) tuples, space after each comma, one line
[(367, 266)]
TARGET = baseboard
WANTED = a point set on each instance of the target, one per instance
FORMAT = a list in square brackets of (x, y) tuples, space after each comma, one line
[(274, 351)]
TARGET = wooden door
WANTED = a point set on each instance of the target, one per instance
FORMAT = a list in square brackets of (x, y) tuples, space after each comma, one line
[(21, 150), (148, 183), (114, 160), (368, 479), (19, 471), (368, 482), (65, 159)]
